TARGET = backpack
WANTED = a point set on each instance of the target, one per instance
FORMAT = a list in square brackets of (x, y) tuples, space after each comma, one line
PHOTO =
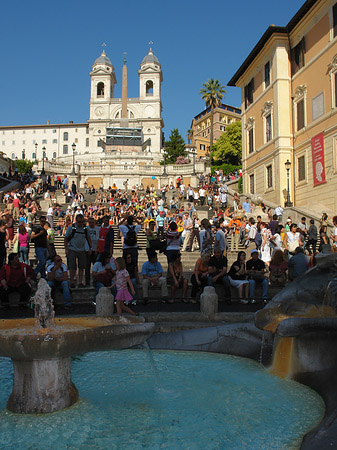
[(131, 236), (73, 231), (258, 239)]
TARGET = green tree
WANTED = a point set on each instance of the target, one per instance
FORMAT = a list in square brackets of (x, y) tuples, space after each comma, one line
[(175, 147), (228, 148), (212, 92), (23, 165)]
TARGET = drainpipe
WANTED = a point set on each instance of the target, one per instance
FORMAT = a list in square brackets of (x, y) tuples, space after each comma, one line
[(293, 126)]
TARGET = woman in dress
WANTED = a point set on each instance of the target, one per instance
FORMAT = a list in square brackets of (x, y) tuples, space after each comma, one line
[(237, 277), (123, 280), (265, 246), (292, 240)]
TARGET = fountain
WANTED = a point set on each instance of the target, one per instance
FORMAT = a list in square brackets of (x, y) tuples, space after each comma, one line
[(41, 351)]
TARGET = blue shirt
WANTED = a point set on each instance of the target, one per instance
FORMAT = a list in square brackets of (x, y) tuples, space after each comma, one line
[(246, 207), (152, 270)]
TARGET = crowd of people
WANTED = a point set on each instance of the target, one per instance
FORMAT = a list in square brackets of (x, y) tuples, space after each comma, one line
[(278, 252)]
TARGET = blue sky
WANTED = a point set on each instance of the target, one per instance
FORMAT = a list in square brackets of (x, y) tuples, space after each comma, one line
[(47, 49)]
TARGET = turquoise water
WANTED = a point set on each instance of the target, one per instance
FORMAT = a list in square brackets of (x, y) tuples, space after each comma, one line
[(200, 401)]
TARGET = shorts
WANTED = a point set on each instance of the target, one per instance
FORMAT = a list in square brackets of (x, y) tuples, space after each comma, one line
[(76, 259)]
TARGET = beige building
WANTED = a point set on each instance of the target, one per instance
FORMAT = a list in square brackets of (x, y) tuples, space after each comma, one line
[(223, 115), (289, 110)]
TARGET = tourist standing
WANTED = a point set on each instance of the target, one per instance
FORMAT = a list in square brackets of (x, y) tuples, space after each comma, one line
[(129, 232), (123, 281), (39, 238)]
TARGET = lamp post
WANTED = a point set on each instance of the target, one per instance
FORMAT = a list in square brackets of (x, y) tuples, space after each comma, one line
[(35, 152), (74, 148), (43, 156), (164, 151), (193, 152), (288, 203)]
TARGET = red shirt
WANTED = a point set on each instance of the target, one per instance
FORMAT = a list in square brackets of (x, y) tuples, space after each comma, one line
[(103, 231), (16, 274), (16, 203)]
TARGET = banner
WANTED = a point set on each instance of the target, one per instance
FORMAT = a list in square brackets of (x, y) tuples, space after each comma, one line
[(317, 147)]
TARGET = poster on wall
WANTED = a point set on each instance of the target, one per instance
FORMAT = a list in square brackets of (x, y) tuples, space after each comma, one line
[(317, 147)]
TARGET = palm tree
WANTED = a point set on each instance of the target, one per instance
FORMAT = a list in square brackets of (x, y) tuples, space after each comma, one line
[(190, 136), (212, 92)]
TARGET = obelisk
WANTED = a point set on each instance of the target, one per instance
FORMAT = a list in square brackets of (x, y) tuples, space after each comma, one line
[(124, 121)]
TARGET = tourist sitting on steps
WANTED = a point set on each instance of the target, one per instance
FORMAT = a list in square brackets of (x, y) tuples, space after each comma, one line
[(175, 277), (237, 277), (256, 273), (152, 272), (15, 277), (217, 270), (103, 273), (57, 276), (200, 274)]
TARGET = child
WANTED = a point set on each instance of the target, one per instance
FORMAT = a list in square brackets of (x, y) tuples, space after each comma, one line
[(122, 282)]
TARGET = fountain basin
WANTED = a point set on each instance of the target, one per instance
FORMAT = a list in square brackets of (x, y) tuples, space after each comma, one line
[(42, 356)]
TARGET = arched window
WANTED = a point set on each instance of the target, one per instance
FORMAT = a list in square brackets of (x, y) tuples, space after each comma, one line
[(65, 136), (117, 115), (33, 155), (100, 89), (65, 149), (54, 155), (149, 87), (13, 155)]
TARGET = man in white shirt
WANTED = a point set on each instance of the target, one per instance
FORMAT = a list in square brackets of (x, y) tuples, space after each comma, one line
[(279, 212), (50, 216), (202, 194)]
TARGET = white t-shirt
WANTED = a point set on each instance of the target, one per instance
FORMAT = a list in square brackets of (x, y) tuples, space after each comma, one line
[(124, 230), (94, 234), (59, 272)]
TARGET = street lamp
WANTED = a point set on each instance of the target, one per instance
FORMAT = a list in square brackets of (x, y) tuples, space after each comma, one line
[(288, 203), (43, 156), (164, 151), (35, 152), (74, 148)]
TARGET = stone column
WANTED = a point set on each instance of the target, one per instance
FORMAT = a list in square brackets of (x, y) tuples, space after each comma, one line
[(42, 386), (209, 302), (104, 303)]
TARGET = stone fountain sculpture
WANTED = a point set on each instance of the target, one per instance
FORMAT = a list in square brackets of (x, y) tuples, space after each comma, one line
[(41, 351), (303, 319)]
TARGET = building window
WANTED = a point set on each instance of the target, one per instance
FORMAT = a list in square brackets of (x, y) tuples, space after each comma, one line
[(250, 134), (65, 149), (23, 142), (54, 141), (300, 106), (44, 141), (33, 156), (100, 89), (149, 87), (249, 90), (87, 142), (297, 56), (251, 184), (267, 75), (251, 140), (99, 144), (222, 128), (54, 131), (269, 176), (300, 114), (87, 130), (301, 168), (54, 155), (13, 155), (24, 132), (269, 133), (334, 20), (202, 147), (65, 136)]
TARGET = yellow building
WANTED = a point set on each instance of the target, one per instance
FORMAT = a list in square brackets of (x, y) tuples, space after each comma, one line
[(223, 115), (289, 110)]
